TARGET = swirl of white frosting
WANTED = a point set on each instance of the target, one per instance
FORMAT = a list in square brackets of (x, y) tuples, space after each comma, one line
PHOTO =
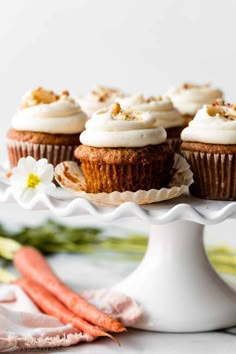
[(59, 117), (100, 97), (212, 125), (161, 109), (126, 128), (188, 98)]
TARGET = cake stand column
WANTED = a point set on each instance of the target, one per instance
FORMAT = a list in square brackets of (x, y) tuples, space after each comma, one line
[(177, 286)]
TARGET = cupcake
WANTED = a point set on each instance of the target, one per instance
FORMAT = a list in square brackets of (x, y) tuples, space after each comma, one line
[(209, 145), (189, 98), (162, 111), (124, 150), (46, 126), (100, 97)]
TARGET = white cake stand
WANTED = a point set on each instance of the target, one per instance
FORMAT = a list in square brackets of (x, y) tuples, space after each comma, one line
[(175, 283)]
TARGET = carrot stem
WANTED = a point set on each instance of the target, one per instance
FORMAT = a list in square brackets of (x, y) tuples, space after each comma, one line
[(31, 263)]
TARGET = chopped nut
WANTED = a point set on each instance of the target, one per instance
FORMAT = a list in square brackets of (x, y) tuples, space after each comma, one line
[(153, 98), (186, 86), (65, 93), (219, 102), (229, 116), (116, 108), (150, 99), (217, 110), (102, 93), (42, 96), (214, 110)]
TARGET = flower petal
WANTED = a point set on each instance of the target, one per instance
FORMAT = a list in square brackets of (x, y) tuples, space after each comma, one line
[(19, 170), (28, 164), (17, 192), (47, 173), (46, 188), (27, 195), (26, 168), (40, 165)]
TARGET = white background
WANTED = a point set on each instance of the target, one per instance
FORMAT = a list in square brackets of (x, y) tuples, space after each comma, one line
[(136, 45)]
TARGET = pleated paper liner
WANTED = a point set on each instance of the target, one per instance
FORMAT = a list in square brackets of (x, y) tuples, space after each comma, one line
[(214, 175), (53, 153), (69, 176)]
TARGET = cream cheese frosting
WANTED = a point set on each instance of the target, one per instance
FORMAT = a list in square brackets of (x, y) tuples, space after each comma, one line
[(213, 124), (161, 109), (188, 98), (114, 127), (43, 111), (100, 97)]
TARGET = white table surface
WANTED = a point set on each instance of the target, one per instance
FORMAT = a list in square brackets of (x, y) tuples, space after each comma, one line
[(90, 272)]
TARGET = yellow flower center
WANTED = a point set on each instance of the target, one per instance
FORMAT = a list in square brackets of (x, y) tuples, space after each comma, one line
[(32, 181)]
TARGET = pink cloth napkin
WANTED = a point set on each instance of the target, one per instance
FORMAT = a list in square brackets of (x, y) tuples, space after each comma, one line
[(22, 325)]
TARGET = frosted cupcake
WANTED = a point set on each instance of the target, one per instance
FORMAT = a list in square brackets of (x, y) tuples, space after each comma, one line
[(124, 150), (161, 110), (100, 97), (46, 126), (209, 145), (189, 98)]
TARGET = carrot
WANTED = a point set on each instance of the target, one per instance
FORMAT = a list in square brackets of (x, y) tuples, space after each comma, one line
[(33, 265), (51, 306), (8, 174)]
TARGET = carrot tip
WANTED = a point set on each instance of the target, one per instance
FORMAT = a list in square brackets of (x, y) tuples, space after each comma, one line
[(111, 337), (120, 329)]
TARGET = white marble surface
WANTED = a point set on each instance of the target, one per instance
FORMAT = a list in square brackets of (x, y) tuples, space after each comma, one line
[(87, 272), (150, 343), (83, 272)]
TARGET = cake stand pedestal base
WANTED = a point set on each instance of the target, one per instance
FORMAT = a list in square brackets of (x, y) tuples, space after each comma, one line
[(177, 286)]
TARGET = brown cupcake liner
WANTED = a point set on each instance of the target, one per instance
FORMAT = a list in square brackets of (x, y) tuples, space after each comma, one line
[(113, 177), (53, 153), (70, 177), (214, 175)]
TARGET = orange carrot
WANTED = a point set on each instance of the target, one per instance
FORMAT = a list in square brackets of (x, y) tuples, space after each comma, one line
[(51, 306), (33, 265), (8, 174)]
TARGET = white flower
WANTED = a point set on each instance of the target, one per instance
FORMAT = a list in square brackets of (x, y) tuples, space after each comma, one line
[(31, 177)]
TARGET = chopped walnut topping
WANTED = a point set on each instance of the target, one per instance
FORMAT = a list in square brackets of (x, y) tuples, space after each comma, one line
[(219, 102), (102, 93), (150, 99), (129, 115), (213, 110), (65, 93), (42, 96), (188, 85), (116, 108), (119, 114), (221, 109), (230, 106), (153, 98)]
